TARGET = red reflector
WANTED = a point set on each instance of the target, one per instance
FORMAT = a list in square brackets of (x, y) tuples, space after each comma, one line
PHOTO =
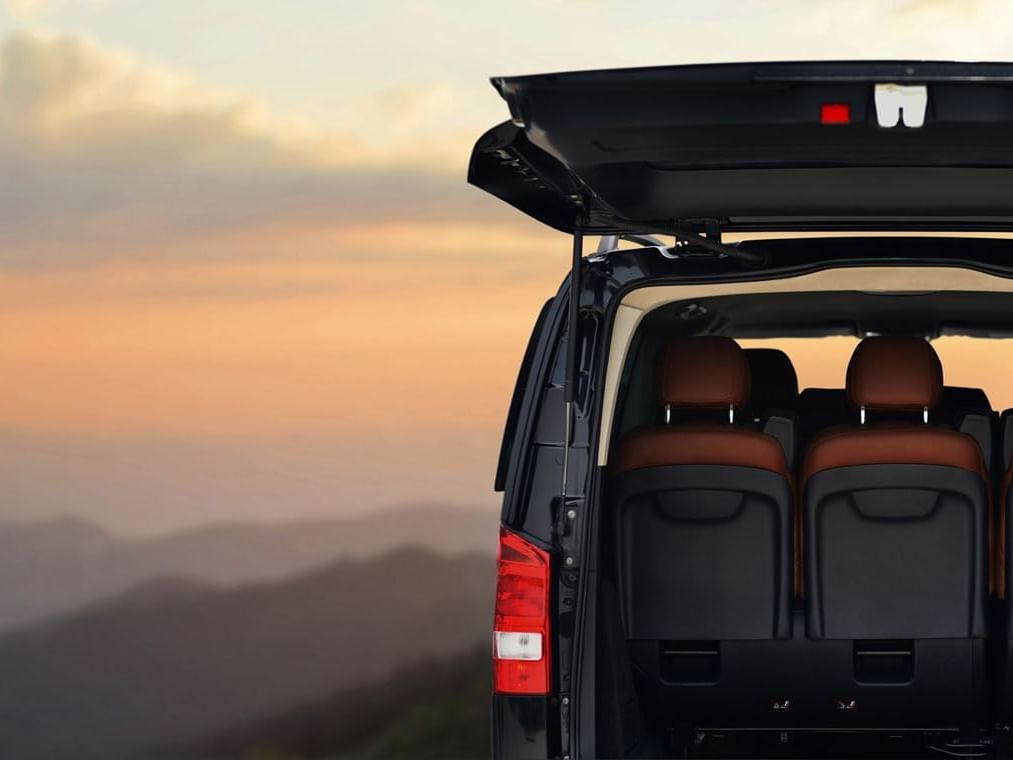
[(835, 113), (521, 658)]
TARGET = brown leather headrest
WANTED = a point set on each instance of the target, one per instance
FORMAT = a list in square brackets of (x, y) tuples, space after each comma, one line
[(900, 373), (705, 372)]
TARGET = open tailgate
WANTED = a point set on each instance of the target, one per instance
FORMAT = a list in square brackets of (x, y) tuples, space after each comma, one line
[(839, 145)]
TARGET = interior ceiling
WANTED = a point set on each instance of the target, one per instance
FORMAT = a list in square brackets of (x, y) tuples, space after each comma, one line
[(813, 314)]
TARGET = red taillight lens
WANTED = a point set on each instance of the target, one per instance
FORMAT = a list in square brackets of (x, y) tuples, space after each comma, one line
[(521, 627), (835, 113)]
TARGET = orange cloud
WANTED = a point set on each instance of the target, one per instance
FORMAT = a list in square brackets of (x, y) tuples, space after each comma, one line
[(400, 329)]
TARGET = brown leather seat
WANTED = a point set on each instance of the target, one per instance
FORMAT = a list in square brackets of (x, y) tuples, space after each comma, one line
[(890, 377), (895, 508), (701, 377), (704, 507), (885, 443), (700, 443)]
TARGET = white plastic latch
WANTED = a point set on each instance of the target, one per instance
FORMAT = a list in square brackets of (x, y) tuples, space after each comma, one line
[(898, 103)]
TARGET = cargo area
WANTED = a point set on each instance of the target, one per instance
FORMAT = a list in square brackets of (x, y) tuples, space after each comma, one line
[(804, 572)]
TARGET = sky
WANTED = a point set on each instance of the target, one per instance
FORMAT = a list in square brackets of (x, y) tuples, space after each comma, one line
[(241, 273)]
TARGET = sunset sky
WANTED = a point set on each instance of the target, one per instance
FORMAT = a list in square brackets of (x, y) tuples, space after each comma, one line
[(241, 274)]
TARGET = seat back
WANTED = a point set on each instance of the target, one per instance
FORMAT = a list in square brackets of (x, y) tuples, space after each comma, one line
[(703, 508), (1003, 523), (773, 398), (820, 409), (896, 509), (773, 381)]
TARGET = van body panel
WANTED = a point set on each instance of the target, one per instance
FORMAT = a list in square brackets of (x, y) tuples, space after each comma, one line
[(520, 727)]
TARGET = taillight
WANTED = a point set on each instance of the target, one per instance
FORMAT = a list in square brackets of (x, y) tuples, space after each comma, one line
[(521, 627)]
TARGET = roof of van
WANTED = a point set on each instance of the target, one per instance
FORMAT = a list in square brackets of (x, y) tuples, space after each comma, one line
[(869, 145)]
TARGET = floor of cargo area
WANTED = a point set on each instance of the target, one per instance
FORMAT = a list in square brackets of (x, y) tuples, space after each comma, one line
[(833, 745)]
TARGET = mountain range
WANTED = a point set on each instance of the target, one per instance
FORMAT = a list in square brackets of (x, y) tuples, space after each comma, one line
[(435, 709), (54, 567), (173, 661)]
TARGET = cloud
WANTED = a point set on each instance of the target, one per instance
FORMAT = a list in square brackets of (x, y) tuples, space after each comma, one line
[(24, 8), (824, 30), (89, 206), (32, 10), (103, 152), (74, 100), (70, 100)]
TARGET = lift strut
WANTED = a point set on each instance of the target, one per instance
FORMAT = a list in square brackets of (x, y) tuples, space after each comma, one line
[(572, 347), (570, 505)]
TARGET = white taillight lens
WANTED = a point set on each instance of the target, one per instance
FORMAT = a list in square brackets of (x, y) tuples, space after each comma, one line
[(515, 645)]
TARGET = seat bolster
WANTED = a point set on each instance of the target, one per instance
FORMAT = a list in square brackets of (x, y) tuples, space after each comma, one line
[(699, 444), (907, 444), (1000, 550)]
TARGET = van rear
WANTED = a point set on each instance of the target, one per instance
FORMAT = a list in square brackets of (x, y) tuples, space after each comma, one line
[(755, 495)]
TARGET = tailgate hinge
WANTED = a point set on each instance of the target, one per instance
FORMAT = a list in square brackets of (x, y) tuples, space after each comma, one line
[(708, 228), (569, 511)]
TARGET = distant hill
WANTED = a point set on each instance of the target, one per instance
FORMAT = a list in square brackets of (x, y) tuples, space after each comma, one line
[(56, 566), (151, 593), (122, 677), (432, 710)]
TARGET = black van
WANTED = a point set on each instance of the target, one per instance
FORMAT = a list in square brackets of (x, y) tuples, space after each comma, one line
[(698, 558)]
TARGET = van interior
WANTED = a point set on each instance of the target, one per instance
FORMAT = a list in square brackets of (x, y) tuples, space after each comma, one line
[(790, 569)]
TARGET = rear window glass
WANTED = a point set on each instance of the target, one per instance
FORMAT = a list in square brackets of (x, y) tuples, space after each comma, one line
[(819, 362), (978, 363), (968, 362)]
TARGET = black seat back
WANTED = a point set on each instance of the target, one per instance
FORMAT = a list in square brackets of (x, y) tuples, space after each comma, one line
[(896, 511), (773, 381), (703, 509), (773, 398)]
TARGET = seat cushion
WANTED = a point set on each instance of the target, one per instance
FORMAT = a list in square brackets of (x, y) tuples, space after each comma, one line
[(699, 443), (892, 444)]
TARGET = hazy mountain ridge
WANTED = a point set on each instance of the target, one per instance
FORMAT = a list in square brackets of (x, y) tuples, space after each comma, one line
[(54, 567), (435, 709), (121, 678)]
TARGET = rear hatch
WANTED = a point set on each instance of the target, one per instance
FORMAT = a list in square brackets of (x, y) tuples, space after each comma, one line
[(746, 147)]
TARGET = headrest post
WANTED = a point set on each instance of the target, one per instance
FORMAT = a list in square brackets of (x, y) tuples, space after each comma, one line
[(925, 415), (861, 416), (731, 414), (668, 414)]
